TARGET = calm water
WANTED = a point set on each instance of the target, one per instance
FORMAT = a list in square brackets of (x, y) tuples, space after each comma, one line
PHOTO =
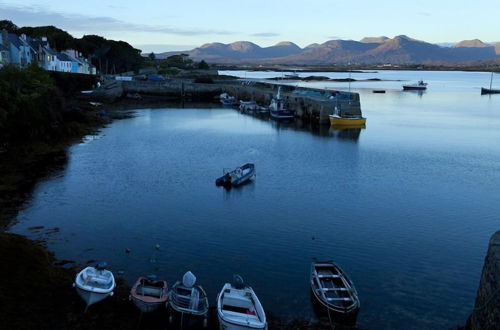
[(406, 205)]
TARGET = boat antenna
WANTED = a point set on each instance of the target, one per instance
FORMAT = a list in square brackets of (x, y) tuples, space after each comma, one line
[(349, 68), (491, 79)]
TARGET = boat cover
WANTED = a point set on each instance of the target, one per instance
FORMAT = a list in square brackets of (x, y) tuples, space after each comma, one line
[(188, 280)]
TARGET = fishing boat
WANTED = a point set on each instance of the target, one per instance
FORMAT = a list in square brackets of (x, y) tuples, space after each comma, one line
[(334, 291), (94, 284), (252, 106), (278, 109), (148, 293), (490, 90), (188, 298), (379, 91), (419, 86), (237, 176), (239, 308), (341, 117), (228, 100)]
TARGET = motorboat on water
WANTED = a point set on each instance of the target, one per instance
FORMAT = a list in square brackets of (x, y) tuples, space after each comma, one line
[(228, 100), (237, 176), (333, 290), (340, 117), (419, 86), (252, 106), (148, 293), (188, 298), (239, 308), (278, 109), (94, 284)]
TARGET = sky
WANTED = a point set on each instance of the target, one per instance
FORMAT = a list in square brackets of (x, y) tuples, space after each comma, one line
[(165, 25)]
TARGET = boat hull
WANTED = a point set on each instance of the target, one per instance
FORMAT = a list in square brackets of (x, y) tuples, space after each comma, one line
[(489, 91), (339, 121), (226, 325), (91, 298), (282, 114), (323, 310), (146, 307), (414, 88)]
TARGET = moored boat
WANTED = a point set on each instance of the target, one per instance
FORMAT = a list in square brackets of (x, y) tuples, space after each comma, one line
[(94, 284), (420, 86), (346, 118), (239, 308), (490, 90), (237, 176), (228, 100), (188, 298), (379, 91), (148, 293), (278, 109), (334, 291)]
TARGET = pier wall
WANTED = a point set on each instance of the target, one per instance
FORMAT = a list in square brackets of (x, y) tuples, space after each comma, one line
[(309, 104), (486, 313)]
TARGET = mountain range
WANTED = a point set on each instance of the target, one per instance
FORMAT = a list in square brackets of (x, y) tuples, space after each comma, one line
[(371, 50)]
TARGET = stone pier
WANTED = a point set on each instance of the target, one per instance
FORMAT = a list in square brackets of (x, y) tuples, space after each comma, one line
[(486, 313), (308, 103)]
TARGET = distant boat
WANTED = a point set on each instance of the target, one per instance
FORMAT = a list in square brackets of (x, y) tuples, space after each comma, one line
[(148, 293), (379, 91), (252, 106), (333, 290), (239, 308), (188, 298), (344, 118), (228, 100), (94, 284), (420, 86), (237, 176), (277, 107), (490, 90)]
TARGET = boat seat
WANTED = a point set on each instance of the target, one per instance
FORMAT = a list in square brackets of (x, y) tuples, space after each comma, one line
[(338, 299), (328, 276), (334, 289)]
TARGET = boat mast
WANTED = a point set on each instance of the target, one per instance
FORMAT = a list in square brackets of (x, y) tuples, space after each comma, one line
[(491, 79)]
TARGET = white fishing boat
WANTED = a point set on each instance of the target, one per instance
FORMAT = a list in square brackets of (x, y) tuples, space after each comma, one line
[(278, 109), (239, 308), (94, 284), (188, 298), (148, 293), (420, 86)]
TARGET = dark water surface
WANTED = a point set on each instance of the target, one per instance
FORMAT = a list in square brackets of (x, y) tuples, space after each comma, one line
[(406, 206)]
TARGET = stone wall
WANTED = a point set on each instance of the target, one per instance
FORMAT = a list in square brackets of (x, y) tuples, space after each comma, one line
[(486, 313)]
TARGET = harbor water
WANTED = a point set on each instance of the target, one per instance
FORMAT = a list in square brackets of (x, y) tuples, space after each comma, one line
[(406, 205)]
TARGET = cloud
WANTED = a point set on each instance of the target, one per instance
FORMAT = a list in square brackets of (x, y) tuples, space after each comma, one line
[(38, 16), (265, 34), (334, 38)]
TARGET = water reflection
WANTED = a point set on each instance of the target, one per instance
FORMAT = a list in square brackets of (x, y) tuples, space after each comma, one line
[(347, 133)]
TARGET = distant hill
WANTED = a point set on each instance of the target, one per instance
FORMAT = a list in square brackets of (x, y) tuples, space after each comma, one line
[(370, 50)]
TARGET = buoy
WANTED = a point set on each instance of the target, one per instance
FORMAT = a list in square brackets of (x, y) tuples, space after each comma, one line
[(157, 246), (127, 250)]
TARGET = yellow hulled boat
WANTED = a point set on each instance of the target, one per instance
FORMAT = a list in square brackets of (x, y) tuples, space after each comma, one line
[(336, 120)]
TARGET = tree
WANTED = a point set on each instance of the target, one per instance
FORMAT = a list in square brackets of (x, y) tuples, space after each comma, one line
[(152, 56), (203, 65), (8, 25)]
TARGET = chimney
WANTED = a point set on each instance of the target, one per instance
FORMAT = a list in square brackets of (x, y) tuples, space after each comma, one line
[(23, 36)]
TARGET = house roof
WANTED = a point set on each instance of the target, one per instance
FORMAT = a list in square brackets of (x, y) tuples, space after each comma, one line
[(64, 57)]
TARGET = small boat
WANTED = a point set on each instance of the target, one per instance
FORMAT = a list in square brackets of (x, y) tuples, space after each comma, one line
[(420, 86), (346, 118), (251, 106), (237, 176), (188, 298), (148, 293), (94, 284), (228, 100), (490, 90), (379, 91), (277, 108), (239, 308), (333, 290)]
